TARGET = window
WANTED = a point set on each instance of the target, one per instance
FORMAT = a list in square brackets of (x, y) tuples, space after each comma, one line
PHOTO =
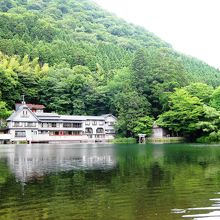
[(99, 130), (67, 125), (34, 132), (17, 124), (101, 122), (76, 132), (94, 123), (30, 124), (72, 133), (72, 125), (100, 136), (89, 131), (20, 134), (87, 122), (43, 132), (56, 133), (54, 125), (25, 114), (77, 125)]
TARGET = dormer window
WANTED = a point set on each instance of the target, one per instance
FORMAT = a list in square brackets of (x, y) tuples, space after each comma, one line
[(25, 114)]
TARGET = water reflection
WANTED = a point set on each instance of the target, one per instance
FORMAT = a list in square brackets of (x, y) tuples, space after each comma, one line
[(32, 162), (212, 215), (126, 182)]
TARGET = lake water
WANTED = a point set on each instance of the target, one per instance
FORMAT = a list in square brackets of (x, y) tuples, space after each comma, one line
[(115, 182)]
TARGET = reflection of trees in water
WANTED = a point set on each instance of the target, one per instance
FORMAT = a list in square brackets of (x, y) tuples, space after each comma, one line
[(186, 154), (156, 175)]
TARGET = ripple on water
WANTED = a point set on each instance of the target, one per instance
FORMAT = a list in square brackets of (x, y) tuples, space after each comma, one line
[(214, 213)]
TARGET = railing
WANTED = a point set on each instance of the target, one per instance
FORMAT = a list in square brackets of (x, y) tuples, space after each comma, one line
[(65, 134)]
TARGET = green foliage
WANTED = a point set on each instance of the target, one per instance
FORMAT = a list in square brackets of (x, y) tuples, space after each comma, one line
[(200, 71), (5, 173), (4, 112), (123, 140), (20, 76), (144, 126), (211, 120), (156, 72), (189, 116), (184, 114), (76, 58), (213, 137), (200, 90), (215, 99), (129, 107)]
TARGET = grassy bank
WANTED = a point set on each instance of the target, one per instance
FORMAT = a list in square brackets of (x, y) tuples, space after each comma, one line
[(166, 140), (124, 140)]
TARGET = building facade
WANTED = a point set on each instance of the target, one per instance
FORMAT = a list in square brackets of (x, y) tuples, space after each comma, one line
[(25, 125)]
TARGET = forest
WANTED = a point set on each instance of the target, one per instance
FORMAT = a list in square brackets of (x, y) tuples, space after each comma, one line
[(76, 58)]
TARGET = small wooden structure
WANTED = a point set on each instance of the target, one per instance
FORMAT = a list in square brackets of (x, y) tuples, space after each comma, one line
[(142, 138)]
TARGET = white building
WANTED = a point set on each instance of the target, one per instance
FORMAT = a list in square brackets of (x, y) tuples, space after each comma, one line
[(25, 125)]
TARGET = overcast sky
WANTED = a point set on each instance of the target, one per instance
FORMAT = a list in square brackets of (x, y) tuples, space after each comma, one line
[(190, 26)]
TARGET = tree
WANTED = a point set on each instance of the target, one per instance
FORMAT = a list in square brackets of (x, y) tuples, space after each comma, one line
[(200, 90), (4, 112), (215, 99), (155, 72), (144, 125), (210, 122), (130, 106), (184, 114)]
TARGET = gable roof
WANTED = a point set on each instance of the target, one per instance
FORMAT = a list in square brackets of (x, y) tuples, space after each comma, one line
[(23, 106)]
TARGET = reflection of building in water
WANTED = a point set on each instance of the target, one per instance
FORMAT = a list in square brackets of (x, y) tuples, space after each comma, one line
[(158, 152), (32, 162)]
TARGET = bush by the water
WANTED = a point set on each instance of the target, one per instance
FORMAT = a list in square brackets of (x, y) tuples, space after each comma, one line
[(213, 137)]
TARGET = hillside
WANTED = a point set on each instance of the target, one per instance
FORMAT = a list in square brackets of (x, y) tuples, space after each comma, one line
[(77, 32), (76, 58)]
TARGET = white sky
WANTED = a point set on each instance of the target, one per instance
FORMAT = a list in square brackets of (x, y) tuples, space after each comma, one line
[(190, 26)]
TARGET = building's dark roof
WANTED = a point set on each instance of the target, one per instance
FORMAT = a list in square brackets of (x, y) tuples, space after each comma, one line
[(43, 116), (31, 106)]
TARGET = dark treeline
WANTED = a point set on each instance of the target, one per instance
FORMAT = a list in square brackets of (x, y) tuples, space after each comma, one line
[(76, 58)]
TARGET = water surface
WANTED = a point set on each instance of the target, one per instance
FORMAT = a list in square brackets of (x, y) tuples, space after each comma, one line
[(125, 182)]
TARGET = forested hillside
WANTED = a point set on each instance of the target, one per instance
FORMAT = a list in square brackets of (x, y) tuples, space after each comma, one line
[(76, 58)]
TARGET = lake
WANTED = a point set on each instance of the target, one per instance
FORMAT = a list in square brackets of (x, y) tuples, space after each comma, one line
[(115, 182)]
